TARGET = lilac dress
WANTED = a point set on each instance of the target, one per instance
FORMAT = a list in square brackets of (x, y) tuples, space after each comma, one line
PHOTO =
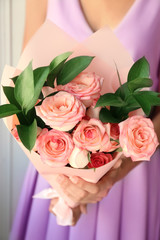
[(131, 211)]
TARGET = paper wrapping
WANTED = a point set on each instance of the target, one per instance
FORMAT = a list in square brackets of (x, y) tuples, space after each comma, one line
[(50, 41)]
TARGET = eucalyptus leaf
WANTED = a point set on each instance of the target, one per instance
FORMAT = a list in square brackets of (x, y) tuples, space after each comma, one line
[(110, 99), (8, 110), (139, 83), (140, 69), (106, 116), (28, 134), (55, 67), (24, 87), (72, 68)]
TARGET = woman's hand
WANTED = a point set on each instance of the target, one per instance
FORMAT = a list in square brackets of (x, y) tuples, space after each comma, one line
[(82, 192), (77, 211)]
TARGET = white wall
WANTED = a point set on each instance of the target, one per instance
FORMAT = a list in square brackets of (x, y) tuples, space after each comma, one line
[(13, 163)]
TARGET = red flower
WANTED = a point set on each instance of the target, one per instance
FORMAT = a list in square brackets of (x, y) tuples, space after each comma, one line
[(99, 159)]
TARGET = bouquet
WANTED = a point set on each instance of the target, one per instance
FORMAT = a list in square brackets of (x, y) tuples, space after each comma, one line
[(65, 124)]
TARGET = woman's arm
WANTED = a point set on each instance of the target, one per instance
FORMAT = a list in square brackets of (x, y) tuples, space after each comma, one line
[(34, 17)]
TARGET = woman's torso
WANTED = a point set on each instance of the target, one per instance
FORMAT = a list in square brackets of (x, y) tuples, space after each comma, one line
[(138, 30)]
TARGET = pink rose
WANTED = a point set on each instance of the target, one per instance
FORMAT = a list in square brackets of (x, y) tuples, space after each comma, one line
[(86, 87), (61, 111), (112, 129), (78, 158), (99, 159), (90, 134), (54, 147), (137, 138), (48, 90)]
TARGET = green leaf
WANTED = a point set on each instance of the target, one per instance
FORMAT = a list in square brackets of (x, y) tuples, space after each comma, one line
[(106, 116), (25, 120), (9, 92), (55, 67), (30, 116), (110, 99), (24, 87), (119, 149), (28, 134), (147, 99), (122, 112), (40, 76), (139, 83), (72, 68), (59, 59), (89, 157), (14, 79), (40, 122), (114, 140), (123, 91), (8, 110), (144, 105), (119, 78), (140, 69), (131, 105)]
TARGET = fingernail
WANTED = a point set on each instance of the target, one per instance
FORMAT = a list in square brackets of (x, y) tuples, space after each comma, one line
[(60, 178), (74, 179)]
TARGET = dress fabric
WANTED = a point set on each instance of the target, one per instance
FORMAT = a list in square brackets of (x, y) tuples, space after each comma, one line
[(132, 208)]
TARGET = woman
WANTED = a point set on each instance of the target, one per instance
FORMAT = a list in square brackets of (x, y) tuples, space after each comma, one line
[(130, 210)]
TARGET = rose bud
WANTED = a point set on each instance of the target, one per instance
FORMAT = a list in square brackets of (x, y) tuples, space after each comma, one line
[(78, 158)]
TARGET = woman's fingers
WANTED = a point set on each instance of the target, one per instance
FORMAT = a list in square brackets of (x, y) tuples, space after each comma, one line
[(76, 215), (118, 163), (71, 190), (83, 208), (92, 188), (82, 192)]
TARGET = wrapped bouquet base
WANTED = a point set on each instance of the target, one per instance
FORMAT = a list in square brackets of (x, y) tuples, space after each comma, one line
[(101, 54)]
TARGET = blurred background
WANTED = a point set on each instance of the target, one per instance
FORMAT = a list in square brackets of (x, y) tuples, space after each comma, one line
[(13, 163)]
